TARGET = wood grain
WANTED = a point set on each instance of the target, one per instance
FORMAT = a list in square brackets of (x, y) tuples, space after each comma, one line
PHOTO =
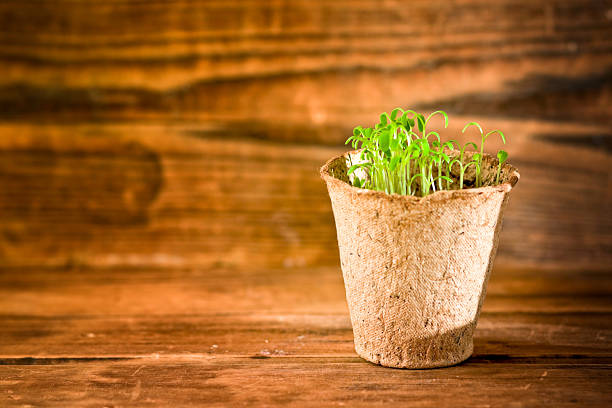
[(302, 382), (305, 70), (182, 195), (189, 133), (268, 338)]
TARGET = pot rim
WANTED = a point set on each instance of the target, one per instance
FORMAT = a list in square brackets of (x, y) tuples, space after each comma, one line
[(505, 187)]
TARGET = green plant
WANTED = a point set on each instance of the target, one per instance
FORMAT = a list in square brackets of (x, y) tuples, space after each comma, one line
[(502, 156), (397, 157), (475, 161), (483, 139)]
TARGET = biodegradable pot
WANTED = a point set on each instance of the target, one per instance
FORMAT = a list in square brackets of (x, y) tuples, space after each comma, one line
[(416, 269)]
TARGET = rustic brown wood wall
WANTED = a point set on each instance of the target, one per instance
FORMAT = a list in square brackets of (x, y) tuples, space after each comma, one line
[(189, 133)]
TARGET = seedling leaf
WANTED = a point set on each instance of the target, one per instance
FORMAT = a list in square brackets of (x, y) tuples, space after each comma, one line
[(383, 141), (383, 119), (472, 124), (393, 163), (420, 122)]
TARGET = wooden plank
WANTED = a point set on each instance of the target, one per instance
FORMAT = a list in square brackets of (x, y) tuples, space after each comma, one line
[(300, 382), (320, 67), (133, 133), (183, 196), (251, 312), (85, 292), (560, 336)]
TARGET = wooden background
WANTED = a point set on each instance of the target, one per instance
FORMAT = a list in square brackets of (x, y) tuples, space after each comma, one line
[(190, 133), (172, 146)]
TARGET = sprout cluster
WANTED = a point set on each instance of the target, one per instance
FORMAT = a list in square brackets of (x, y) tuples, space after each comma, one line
[(397, 156)]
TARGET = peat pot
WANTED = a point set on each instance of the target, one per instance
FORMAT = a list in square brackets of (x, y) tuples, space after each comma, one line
[(416, 269)]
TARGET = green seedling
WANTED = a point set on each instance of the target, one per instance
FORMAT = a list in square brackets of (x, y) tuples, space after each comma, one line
[(502, 156), (460, 162), (483, 139), (397, 156)]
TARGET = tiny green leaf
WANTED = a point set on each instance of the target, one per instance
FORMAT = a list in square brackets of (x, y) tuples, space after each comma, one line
[(394, 113), (470, 144), (393, 163), (352, 169), (440, 113), (420, 122), (383, 140), (383, 119), (499, 132), (451, 144), (450, 180), (436, 134), (472, 124), (502, 156), (394, 144)]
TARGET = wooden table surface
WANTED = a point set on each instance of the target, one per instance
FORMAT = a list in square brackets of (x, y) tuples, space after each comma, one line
[(233, 337)]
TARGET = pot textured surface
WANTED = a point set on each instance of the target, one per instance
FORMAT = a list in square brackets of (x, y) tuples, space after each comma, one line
[(416, 269)]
